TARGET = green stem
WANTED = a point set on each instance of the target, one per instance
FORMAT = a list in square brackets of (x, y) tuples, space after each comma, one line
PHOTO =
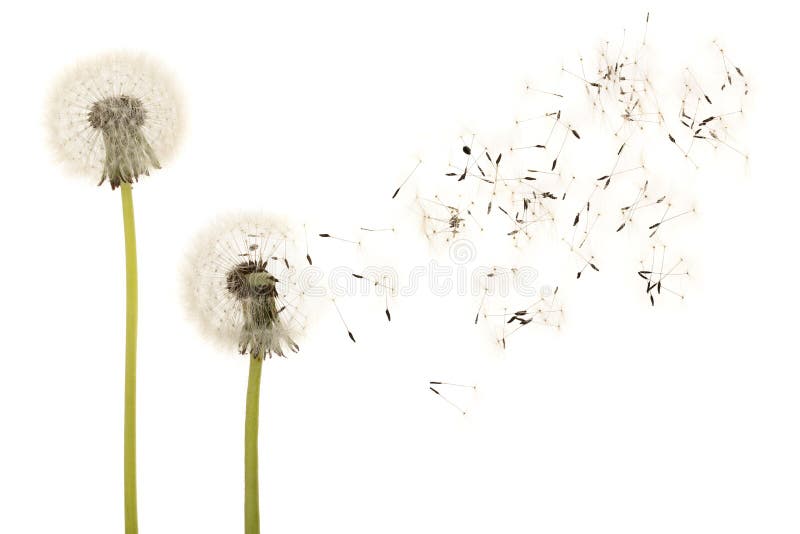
[(131, 315), (251, 516)]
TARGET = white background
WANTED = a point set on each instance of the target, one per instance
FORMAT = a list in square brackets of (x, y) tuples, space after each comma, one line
[(627, 420)]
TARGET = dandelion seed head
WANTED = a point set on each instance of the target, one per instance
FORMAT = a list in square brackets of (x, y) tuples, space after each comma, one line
[(242, 288), (114, 118)]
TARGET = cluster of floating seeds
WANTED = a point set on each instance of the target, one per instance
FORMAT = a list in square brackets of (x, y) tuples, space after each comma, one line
[(586, 165)]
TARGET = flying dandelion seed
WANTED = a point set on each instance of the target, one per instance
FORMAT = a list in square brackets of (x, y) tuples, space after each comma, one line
[(115, 118), (439, 385)]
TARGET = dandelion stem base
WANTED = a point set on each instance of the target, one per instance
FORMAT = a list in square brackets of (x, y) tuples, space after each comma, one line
[(251, 513)]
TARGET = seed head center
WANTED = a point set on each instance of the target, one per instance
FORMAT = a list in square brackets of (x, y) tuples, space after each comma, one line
[(251, 280), (117, 113)]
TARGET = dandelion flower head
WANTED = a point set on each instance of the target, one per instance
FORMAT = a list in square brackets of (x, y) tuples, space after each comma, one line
[(242, 287), (115, 118)]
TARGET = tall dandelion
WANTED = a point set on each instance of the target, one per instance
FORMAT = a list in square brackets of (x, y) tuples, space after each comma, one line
[(243, 291), (113, 119)]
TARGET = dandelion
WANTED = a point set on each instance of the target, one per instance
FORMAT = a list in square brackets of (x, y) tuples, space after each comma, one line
[(243, 291), (114, 119)]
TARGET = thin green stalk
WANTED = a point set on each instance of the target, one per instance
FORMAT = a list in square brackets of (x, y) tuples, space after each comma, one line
[(251, 515), (131, 316)]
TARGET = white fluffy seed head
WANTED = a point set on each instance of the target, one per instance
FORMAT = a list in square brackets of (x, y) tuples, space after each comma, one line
[(115, 118), (242, 286)]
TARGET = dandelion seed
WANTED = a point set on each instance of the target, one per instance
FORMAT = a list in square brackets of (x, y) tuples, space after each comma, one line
[(397, 191), (439, 385)]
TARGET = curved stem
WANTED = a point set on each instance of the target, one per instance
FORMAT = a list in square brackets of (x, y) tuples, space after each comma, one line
[(131, 316), (251, 515)]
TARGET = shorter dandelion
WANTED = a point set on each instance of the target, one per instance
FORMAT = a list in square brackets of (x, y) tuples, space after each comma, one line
[(244, 289)]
